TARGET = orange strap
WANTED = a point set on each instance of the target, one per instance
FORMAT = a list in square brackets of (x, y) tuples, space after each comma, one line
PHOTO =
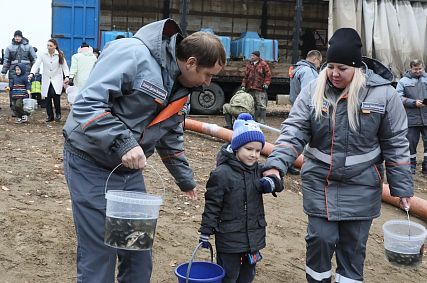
[(169, 111)]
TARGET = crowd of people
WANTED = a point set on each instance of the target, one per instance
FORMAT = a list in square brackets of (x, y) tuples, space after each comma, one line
[(347, 119), (22, 66)]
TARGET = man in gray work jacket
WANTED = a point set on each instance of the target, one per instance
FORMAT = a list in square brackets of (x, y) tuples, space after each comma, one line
[(304, 72), (121, 117), (413, 91)]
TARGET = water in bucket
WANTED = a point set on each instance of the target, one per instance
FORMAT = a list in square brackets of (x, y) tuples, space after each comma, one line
[(404, 247), (131, 219)]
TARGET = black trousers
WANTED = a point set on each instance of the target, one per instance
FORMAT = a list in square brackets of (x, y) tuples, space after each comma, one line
[(236, 271), (51, 94)]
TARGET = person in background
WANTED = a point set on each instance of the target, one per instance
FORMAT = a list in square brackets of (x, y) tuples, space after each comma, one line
[(131, 106), (96, 52), (19, 51), (349, 122), (120, 36), (304, 72), (256, 81), (19, 88), (412, 89), (55, 68), (234, 208), (81, 65), (241, 102)]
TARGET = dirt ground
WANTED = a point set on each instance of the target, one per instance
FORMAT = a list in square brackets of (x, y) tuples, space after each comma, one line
[(37, 242)]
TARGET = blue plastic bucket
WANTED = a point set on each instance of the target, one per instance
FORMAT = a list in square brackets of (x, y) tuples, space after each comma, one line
[(200, 271)]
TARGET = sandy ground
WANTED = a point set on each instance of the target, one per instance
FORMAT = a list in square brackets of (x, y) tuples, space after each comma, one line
[(37, 233)]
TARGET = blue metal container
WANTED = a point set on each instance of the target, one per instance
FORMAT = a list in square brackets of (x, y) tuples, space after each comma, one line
[(225, 40), (107, 36), (250, 41), (74, 22)]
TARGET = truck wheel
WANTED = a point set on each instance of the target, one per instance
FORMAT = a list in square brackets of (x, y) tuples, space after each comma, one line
[(208, 101)]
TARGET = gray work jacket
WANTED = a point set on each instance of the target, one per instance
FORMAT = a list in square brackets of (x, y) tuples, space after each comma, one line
[(411, 89), (132, 81), (342, 174)]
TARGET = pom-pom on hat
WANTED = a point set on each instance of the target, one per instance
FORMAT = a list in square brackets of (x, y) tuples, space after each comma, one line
[(345, 47), (246, 130)]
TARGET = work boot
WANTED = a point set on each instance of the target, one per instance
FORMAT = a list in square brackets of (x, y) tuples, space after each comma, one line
[(228, 121)]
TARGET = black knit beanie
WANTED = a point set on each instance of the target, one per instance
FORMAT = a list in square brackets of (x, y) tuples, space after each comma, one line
[(17, 33), (345, 47), (256, 53)]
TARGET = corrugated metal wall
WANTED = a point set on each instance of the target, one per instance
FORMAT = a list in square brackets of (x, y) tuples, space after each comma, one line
[(226, 17)]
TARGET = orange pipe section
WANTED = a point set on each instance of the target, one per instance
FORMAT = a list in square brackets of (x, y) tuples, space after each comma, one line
[(418, 205), (226, 134)]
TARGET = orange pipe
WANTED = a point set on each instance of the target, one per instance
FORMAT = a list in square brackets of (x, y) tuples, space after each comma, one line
[(418, 205), (226, 134)]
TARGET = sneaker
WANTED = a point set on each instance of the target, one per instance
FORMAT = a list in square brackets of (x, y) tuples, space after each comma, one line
[(18, 121), (24, 119)]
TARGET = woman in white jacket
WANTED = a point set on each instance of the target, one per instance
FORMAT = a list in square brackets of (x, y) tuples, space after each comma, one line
[(54, 70)]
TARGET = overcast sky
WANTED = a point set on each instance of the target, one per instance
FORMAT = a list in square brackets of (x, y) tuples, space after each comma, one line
[(32, 17)]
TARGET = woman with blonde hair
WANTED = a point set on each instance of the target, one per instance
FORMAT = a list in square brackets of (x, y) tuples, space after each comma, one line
[(348, 122)]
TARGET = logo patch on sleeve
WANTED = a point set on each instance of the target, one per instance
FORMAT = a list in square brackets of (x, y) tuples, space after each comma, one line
[(368, 107), (153, 90)]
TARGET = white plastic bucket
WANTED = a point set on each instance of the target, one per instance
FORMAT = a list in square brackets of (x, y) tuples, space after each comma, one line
[(72, 92), (404, 243), (29, 104), (131, 219)]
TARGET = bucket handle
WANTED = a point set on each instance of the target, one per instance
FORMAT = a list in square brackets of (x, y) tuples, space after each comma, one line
[(187, 275), (152, 167)]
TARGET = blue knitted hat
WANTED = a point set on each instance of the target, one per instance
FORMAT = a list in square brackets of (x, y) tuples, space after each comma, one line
[(246, 130)]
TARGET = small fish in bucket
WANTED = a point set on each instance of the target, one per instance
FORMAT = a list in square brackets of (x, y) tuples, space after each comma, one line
[(131, 219), (404, 242)]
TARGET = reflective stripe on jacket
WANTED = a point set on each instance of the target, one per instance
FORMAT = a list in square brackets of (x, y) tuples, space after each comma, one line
[(411, 89), (342, 175)]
